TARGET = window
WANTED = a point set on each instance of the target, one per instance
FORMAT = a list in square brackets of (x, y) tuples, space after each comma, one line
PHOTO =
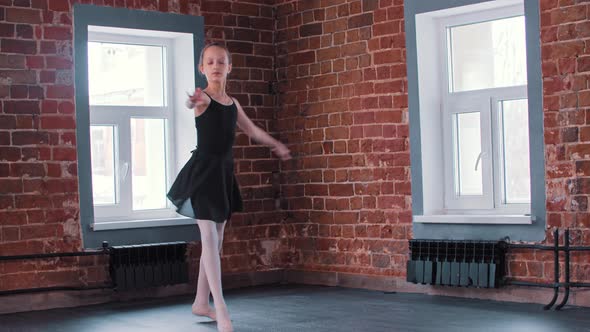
[(131, 121), (472, 89), (485, 112), (133, 69)]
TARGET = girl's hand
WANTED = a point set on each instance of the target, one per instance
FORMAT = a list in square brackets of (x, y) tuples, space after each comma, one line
[(196, 100), (282, 151)]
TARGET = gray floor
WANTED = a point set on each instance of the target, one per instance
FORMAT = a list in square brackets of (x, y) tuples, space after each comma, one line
[(309, 308)]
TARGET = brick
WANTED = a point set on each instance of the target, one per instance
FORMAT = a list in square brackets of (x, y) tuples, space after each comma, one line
[(58, 122), (47, 17), (11, 186), (369, 5), (583, 167), (569, 135), (517, 269), (391, 202), (19, 76), (66, 107), (54, 170), (7, 30), (349, 77), (567, 49), (49, 106), (7, 121), (335, 26), (21, 107), (217, 6), (240, 47), (301, 58), (339, 162), (245, 9), (57, 33), (8, 61), (18, 91), (27, 169), (247, 34), (313, 29), (65, 19), (22, 3), (26, 122), (568, 14), (21, 15), (9, 154), (57, 62), (18, 46), (24, 31), (35, 92), (354, 49), (391, 56), (48, 47), (360, 20), (325, 80), (58, 5), (4, 170), (4, 138), (62, 185), (346, 217), (29, 138), (341, 189), (13, 218), (35, 62), (6, 202), (60, 92), (39, 232), (316, 190), (47, 76), (39, 4)]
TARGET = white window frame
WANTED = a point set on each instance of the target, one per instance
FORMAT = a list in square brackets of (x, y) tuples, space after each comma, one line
[(441, 205), (119, 116), (484, 101)]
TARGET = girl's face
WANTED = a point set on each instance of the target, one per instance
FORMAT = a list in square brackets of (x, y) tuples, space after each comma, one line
[(215, 64)]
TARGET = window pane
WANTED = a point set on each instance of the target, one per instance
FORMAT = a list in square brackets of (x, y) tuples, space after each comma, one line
[(467, 148), (127, 75), (487, 55), (102, 151), (148, 147), (515, 136)]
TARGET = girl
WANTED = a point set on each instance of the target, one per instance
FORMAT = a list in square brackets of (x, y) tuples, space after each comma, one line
[(206, 187)]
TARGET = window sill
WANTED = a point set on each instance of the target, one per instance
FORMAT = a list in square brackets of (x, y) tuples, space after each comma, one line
[(475, 219), (125, 224)]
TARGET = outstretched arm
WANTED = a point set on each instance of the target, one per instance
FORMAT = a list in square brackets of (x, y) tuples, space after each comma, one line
[(259, 135), (198, 101)]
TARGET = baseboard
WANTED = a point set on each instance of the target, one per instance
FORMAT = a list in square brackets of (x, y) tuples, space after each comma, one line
[(248, 279), (66, 299), (578, 297)]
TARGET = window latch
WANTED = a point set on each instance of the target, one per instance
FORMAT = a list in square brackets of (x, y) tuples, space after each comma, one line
[(124, 171), (478, 159)]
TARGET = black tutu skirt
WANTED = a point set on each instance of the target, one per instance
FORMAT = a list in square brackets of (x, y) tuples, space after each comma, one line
[(206, 188)]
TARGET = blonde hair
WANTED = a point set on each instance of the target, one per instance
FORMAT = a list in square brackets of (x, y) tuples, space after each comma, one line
[(211, 45)]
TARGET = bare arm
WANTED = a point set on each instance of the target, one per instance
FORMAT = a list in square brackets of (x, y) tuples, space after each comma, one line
[(198, 101), (259, 135)]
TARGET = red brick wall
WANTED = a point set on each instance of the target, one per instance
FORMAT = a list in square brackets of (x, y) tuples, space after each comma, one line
[(341, 65), (39, 210), (565, 32), (342, 73), (342, 108)]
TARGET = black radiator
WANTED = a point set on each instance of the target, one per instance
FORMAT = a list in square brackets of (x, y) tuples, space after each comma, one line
[(457, 263), (148, 265)]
